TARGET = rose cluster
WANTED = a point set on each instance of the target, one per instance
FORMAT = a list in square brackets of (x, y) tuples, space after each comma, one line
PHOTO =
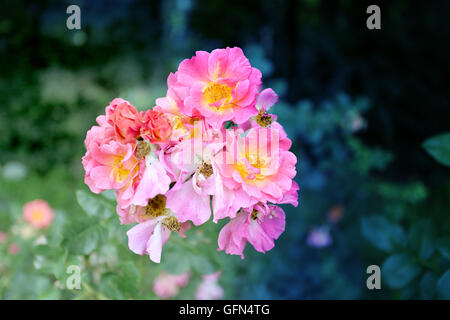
[(208, 149)]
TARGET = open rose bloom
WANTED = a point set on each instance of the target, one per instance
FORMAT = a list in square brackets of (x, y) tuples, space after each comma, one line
[(38, 213), (208, 150)]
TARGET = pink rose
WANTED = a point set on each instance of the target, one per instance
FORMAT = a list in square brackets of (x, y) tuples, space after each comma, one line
[(14, 248), (209, 288), (121, 115), (3, 237), (153, 126), (220, 86), (168, 285), (260, 225), (38, 213)]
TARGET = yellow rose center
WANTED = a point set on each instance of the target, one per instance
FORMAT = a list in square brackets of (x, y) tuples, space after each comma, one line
[(120, 170), (250, 167), (37, 215), (217, 95)]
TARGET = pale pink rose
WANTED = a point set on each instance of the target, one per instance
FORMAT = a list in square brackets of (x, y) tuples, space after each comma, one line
[(38, 213), (227, 202), (14, 248), (189, 202), (153, 181), (168, 285), (3, 237), (266, 99), (260, 225), (221, 86), (259, 164), (149, 237), (209, 288), (130, 214), (198, 180), (121, 115)]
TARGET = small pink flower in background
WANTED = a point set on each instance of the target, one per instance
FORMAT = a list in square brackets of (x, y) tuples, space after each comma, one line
[(335, 214), (38, 213), (320, 237), (3, 237), (353, 121), (358, 123), (14, 248), (209, 288), (168, 285)]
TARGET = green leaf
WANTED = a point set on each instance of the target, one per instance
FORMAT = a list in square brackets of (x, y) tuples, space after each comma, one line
[(49, 260), (109, 194), (130, 279), (176, 262), (444, 247), (399, 270), (93, 205), (422, 239), (439, 147), (85, 236), (428, 285), (382, 233), (122, 285), (27, 286), (110, 286), (443, 286), (55, 235), (229, 125)]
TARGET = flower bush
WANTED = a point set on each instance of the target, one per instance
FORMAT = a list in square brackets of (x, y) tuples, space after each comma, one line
[(207, 149)]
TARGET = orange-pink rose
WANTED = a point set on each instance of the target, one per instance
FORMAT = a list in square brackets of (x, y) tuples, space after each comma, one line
[(153, 126), (121, 115), (38, 213)]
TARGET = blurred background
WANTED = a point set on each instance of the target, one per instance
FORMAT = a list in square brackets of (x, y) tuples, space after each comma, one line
[(357, 103)]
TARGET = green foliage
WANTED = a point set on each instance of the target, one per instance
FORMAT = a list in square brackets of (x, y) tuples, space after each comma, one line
[(439, 147), (382, 233), (422, 238), (399, 270), (94, 206), (443, 286), (84, 235)]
